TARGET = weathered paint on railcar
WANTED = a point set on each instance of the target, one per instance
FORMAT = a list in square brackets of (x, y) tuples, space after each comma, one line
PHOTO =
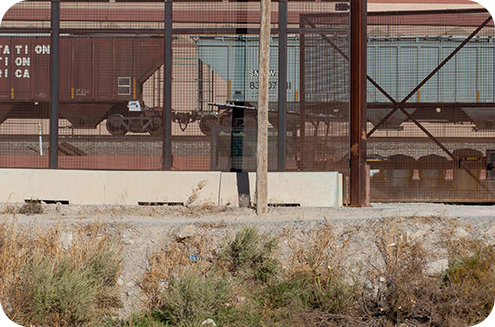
[(235, 60), (91, 69), (397, 64), (400, 64)]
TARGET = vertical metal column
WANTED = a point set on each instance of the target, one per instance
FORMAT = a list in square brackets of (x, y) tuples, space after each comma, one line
[(302, 100), (358, 194), (55, 51), (167, 89), (238, 114), (282, 84), (200, 85)]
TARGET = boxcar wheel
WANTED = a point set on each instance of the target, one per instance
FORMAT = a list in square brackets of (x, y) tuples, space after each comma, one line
[(156, 128), (115, 126), (206, 124)]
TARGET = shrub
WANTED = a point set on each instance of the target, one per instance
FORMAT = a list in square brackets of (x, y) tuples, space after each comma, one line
[(468, 288), (45, 283), (56, 293), (191, 298), (251, 255), (32, 207)]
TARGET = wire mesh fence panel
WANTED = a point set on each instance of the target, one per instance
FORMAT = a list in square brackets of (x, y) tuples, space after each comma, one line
[(431, 120), (111, 51), (25, 88), (323, 140), (430, 105)]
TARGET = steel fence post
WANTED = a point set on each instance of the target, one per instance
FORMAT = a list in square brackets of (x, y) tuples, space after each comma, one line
[(167, 89), (282, 84), (358, 103), (54, 107)]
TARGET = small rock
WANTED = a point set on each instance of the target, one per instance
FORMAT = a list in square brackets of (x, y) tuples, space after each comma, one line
[(120, 281), (127, 240), (162, 285), (241, 300), (66, 239), (437, 267), (460, 232), (186, 232), (382, 279), (491, 231), (420, 234), (209, 321)]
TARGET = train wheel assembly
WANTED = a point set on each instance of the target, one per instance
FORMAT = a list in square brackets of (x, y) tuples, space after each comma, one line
[(115, 125), (156, 128), (206, 124), (225, 120)]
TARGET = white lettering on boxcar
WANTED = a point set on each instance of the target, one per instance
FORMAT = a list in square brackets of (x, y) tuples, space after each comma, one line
[(22, 74), (42, 49), (255, 73), (19, 61), (23, 61)]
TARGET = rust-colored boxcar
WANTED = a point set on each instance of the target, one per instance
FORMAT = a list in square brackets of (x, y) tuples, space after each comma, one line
[(99, 77)]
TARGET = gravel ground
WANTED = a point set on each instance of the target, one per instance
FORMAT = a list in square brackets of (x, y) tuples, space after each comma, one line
[(202, 148), (145, 229)]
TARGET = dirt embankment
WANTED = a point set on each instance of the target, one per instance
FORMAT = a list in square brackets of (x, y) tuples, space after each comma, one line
[(351, 233)]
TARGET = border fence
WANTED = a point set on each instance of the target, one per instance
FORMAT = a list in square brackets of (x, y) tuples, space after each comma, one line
[(152, 85)]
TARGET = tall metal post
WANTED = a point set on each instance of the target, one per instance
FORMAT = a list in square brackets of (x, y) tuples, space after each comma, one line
[(358, 194), (55, 51), (302, 100), (263, 80), (238, 114), (282, 84), (167, 89)]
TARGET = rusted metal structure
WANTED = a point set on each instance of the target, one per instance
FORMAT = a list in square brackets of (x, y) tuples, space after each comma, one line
[(358, 117), (430, 124)]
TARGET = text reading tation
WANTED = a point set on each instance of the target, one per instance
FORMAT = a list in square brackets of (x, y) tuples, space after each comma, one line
[(17, 58)]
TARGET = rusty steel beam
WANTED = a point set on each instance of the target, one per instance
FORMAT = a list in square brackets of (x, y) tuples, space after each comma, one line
[(282, 85), (167, 90), (358, 118), (302, 100), (54, 85)]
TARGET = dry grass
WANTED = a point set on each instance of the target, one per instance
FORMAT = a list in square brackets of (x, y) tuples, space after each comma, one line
[(58, 276), (171, 260)]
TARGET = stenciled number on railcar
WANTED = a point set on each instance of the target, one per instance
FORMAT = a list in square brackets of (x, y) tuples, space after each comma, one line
[(271, 85)]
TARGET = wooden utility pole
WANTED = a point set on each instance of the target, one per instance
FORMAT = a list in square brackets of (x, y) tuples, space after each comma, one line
[(262, 151)]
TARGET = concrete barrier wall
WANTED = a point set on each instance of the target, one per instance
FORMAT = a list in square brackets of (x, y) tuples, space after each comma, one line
[(307, 189)]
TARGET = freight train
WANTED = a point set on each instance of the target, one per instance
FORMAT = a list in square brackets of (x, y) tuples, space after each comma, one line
[(462, 91), (102, 77)]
